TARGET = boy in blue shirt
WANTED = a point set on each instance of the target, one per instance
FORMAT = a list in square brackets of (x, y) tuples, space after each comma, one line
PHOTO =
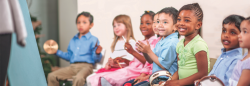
[(231, 52), (164, 55), (83, 52)]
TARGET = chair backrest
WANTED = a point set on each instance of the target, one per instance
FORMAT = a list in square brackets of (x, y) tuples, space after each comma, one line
[(99, 64), (212, 62)]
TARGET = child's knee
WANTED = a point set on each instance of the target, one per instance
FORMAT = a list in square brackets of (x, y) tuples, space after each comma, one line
[(51, 76), (79, 79)]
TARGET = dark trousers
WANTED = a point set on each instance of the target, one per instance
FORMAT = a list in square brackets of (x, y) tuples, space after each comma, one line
[(5, 45), (144, 83)]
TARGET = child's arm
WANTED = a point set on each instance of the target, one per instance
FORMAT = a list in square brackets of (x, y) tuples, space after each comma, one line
[(147, 58), (244, 78), (111, 64), (202, 65), (175, 75), (119, 59), (165, 60), (64, 55), (97, 56), (141, 78), (145, 48), (130, 50)]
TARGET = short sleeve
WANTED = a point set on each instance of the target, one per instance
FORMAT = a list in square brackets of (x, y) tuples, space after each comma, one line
[(246, 64), (199, 46), (168, 56)]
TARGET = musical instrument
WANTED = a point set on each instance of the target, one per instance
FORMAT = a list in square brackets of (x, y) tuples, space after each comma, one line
[(157, 74), (50, 46), (209, 81)]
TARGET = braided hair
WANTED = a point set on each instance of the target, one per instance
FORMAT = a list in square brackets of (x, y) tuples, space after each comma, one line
[(150, 13), (195, 7)]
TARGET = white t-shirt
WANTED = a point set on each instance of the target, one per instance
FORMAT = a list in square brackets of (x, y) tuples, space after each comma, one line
[(119, 50)]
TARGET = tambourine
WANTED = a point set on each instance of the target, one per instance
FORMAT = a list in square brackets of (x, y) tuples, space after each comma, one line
[(50, 47), (209, 81), (157, 74)]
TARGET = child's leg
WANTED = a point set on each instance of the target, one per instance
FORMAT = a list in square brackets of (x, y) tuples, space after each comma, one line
[(144, 83), (83, 70), (88, 83), (104, 82), (60, 74)]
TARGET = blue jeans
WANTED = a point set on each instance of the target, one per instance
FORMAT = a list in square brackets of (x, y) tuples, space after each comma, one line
[(144, 83)]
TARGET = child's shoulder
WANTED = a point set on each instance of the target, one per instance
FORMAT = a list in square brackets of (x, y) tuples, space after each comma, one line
[(246, 63), (93, 37), (198, 41)]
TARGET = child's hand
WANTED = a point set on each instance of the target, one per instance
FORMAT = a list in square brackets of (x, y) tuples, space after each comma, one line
[(107, 66), (141, 47), (172, 83), (98, 50), (141, 78), (118, 59), (110, 62), (129, 48)]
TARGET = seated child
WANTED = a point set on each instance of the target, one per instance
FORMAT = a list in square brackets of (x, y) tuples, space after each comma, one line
[(231, 52), (241, 72), (122, 27), (192, 51), (164, 53), (83, 52), (147, 69)]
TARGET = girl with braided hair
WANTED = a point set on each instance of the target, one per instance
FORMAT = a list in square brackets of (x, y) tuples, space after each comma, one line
[(192, 51)]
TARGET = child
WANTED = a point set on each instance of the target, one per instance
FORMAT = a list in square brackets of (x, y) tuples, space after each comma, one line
[(146, 21), (241, 72), (155, 28), (192, 51), (231, 52), (163, 55), (82, 53), (155, 24), (122, 27)]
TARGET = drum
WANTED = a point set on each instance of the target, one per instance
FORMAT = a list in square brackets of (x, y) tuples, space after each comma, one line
[(157, 74), (209, 81)]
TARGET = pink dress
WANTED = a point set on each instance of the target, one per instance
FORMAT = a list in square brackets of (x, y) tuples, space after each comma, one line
[(147, 69), (120, 76)]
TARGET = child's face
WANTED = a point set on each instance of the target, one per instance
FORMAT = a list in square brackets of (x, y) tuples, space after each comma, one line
[(119, 29), (187, 23), (245, 34), (165, 24), (155, 24), (83, 24), (229, 36), (146, 25)]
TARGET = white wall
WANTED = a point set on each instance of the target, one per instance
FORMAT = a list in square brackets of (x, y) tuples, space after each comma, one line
[(38, 9), (215, 11), (67, 27)]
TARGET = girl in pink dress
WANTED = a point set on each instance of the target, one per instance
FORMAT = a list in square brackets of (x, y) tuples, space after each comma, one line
[(118, 77), (147, 69)]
